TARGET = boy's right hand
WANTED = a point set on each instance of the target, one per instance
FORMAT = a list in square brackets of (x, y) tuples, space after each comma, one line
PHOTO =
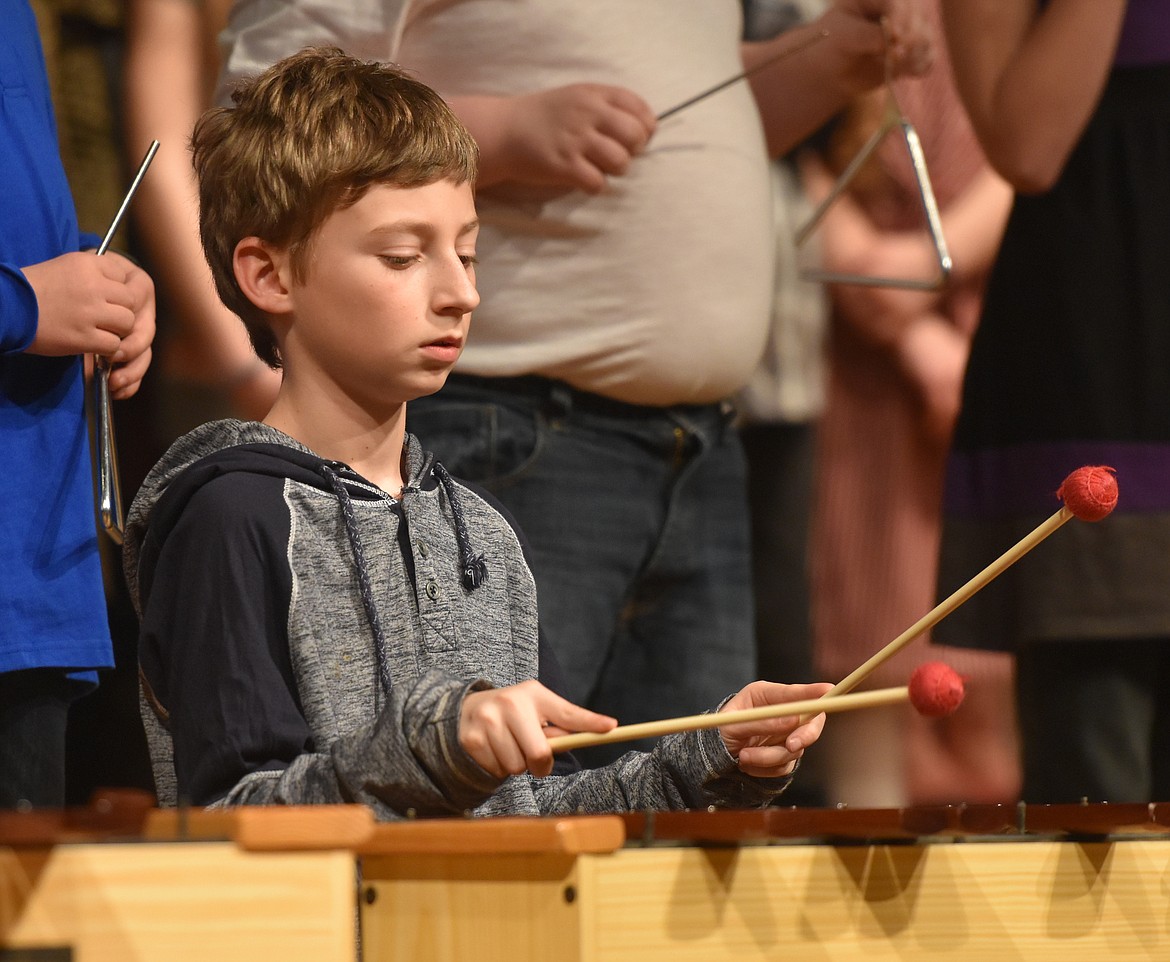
[(574, 136), (506, 730), (95, 305), (876, 36)]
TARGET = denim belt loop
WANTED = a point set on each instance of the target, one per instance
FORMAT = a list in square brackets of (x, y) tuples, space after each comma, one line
[(560, 400)]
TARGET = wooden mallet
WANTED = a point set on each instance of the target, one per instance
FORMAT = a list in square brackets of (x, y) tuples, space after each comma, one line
[(935, 689), (1089, 493)]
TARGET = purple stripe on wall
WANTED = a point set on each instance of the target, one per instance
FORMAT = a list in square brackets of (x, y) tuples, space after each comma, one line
[(1022, 479)]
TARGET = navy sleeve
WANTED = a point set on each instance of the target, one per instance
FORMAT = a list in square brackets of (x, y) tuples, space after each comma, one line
[(212, 642)]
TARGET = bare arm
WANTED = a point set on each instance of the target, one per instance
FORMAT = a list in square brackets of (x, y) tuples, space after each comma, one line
[(169, 72), (576, 136), (913, 326), (1031, 79), (799, 93), (972, 224)]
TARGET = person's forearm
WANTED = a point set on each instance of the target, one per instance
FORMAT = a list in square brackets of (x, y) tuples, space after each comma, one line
[(683, 770), (1031, 79), (798, 93), (167, 87), (483, 116), (973, 224), (851, 48), (405, 760)]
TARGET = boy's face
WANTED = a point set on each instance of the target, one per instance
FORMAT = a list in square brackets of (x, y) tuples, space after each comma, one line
[(385, 304)]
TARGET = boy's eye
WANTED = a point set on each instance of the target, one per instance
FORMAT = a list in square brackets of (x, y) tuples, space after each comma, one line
[(469, 260), (399, 260)]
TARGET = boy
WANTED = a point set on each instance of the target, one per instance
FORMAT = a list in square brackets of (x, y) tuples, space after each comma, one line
[(627, 287), (328, 616)]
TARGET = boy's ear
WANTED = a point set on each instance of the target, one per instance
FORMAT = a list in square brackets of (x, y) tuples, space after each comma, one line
[(264, 274)]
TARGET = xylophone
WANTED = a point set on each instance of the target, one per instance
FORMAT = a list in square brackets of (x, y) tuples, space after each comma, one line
[(1062, 883), (1073, 882)]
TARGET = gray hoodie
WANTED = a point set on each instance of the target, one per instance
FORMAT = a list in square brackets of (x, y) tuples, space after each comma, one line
[(306, 639)]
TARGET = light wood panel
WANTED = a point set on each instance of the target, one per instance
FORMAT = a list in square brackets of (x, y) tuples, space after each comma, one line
[(999, 901), (776, 885), (175, 902)]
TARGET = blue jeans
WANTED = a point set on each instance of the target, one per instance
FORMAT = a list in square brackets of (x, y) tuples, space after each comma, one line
[(637, 525)]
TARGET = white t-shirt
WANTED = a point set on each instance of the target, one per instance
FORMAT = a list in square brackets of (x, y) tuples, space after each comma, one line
[(657, 291)]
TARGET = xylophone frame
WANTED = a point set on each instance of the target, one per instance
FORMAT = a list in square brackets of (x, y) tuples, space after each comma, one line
[(954, 882)]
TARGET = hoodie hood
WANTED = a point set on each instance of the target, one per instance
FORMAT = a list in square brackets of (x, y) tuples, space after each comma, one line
[(223, 447)]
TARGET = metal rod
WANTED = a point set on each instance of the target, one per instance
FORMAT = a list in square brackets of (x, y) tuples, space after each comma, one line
[(787, 52), (116, 222), (109, 483)]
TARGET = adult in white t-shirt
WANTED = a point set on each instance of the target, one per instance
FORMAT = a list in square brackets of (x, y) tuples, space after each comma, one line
[(625, 269)]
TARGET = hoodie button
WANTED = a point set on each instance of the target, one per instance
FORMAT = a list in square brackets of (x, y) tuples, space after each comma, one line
[(432, 590), (421, 546)]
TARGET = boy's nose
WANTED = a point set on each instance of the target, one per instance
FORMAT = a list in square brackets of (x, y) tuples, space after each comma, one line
[(457, 292)]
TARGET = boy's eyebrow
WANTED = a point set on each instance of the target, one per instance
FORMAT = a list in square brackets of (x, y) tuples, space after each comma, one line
[(419, 227)]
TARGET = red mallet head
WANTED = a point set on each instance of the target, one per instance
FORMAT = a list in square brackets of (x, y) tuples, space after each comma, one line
[(935, 689), (1090, 493)]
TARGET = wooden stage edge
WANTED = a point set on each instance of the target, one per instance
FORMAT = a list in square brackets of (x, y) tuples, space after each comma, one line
[(123, 881)]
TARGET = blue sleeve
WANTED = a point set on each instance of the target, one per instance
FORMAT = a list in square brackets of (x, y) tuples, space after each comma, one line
[(18, 310)]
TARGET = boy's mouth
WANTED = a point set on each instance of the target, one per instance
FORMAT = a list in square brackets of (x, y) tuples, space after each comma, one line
[(445, 349)]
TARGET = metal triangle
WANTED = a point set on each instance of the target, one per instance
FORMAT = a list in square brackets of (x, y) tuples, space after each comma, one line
[(894, 120)]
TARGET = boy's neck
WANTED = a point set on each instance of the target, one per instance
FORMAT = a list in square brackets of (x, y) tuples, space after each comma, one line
[(372, 446)]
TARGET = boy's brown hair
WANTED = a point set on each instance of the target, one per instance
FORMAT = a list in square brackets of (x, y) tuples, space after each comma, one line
[(308, 136)]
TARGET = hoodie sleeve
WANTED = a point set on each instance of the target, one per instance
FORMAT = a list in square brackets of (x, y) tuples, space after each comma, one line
[(688, 770), (382, 764), (213, 648)]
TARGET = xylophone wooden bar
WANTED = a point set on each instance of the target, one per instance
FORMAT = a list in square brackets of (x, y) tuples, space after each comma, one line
[(1067, 883)]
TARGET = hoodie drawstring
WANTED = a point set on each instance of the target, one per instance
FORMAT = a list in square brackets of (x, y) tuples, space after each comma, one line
[(359, 557), (473, 569)]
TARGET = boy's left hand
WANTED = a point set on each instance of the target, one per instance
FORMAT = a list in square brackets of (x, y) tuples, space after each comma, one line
[(770, 748)]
